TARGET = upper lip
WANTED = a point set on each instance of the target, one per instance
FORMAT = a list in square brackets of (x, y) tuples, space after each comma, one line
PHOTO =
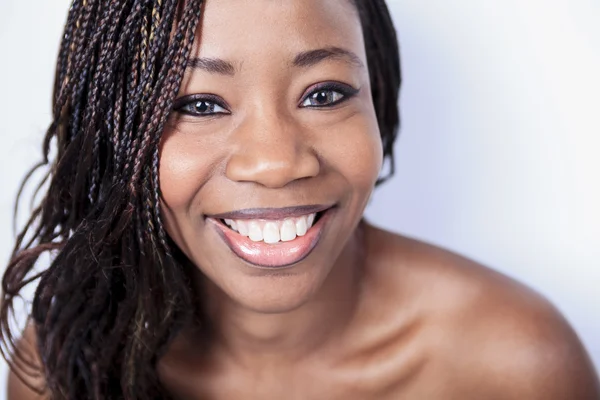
[(271, 213)]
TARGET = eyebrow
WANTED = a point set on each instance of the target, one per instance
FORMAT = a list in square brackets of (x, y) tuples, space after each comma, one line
[(212, 65), (313, 57), (304, 59)]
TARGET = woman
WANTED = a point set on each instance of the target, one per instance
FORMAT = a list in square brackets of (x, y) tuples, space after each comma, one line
[(205, 212)]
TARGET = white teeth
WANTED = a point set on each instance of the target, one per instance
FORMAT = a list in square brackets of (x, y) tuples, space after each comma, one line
[(301, 227), (254, 232), (242, 227), (271, 231), (288, 230), (310, 220), (232, 224)]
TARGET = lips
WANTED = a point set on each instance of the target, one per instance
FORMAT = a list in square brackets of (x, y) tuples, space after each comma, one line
[(276, 255), (272, 213)]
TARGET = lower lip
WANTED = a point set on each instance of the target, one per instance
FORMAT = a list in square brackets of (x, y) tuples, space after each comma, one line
[(278, 255)]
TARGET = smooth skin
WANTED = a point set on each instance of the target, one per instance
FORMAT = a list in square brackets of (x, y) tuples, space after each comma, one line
[(368, 314)]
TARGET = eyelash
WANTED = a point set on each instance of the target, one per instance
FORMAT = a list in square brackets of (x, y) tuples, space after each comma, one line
[(182, 103), (346, 92)]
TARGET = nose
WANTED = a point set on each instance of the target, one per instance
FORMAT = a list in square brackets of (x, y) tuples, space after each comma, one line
[(271, 151)]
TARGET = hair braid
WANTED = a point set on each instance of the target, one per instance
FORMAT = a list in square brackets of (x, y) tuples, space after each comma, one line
[(106, 85), (83, 30), (143, 87), (105, 73), (130, 81), (64, 53), (384, 69)]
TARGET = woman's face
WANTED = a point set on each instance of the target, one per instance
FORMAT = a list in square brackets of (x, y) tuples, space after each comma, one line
[(274, 124)]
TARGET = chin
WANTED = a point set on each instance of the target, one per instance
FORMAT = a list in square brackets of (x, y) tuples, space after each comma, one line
[(274, 291)]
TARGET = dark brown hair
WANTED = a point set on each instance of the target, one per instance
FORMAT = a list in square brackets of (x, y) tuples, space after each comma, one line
[(117, 290)]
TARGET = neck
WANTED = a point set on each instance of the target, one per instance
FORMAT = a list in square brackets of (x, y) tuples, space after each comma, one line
[(252, 337)]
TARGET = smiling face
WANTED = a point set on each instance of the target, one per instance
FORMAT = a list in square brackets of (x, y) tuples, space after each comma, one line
[(274, 130)]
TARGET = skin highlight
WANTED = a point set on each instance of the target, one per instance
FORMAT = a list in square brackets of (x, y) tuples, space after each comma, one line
[(253, 124)]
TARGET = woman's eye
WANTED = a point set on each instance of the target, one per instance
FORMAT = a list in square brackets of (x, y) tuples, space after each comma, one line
[(328, 94), (201, 108), (323, 98)]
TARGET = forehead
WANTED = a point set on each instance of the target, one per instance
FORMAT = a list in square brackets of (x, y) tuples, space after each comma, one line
[(238, 29)]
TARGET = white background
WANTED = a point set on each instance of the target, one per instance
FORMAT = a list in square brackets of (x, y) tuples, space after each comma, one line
[(499, 153)]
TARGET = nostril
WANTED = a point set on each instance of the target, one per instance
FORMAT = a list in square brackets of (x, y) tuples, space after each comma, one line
[(272, 166)]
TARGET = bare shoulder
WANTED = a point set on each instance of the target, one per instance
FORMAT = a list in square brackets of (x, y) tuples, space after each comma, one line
[(24, 378), (491, 336)]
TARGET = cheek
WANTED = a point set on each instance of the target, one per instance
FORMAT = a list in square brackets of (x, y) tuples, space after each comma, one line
[(355, 151), (184, 168)]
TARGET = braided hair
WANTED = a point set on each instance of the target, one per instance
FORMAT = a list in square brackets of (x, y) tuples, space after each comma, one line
[(118, 290)]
